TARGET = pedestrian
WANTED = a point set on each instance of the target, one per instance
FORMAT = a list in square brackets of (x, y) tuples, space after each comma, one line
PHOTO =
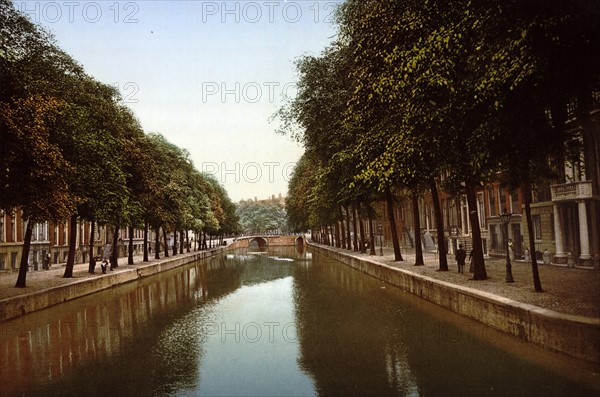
[(104, 265), (46, 262), (460, 256)]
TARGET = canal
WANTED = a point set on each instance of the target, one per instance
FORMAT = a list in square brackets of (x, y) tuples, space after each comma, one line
[(278, 322)]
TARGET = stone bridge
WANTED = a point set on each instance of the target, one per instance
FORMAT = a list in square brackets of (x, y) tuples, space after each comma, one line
[(265, 241)]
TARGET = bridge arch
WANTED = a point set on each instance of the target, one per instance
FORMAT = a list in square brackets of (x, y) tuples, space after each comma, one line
[(262, 242), (299, 245)]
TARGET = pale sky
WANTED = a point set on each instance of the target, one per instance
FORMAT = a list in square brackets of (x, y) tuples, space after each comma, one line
[(208, 75)]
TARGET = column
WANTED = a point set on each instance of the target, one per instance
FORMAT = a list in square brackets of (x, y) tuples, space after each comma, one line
[(583, 232), (559, 256)]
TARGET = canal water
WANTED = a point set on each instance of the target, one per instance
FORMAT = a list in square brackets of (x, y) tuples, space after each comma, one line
[(277, 322)]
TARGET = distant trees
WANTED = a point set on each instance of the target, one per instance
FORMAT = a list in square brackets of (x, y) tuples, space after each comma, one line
[(261, 216), (70, 150)]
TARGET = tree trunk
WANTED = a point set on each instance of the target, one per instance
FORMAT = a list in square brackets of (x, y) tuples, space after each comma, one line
[(72, 246), (166, 243), (187, 241), (145, 241), (92, 261), (361, 228), (204, 246), (390, 208), (348, 236), (157, 243), (130, 246), (479, 272), (181, 241), (342, 230), (175, 247), (21, 279), (114, 258), (417, 223), (355, 228), (372, 234), (336, 229), (439, 223), (534, 266)]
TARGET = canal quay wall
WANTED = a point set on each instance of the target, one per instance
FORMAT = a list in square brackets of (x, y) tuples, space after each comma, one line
[(575, 336), (22, 304)]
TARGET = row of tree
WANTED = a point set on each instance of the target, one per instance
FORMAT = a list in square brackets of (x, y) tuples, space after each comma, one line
[(430, 95), (71, 150)]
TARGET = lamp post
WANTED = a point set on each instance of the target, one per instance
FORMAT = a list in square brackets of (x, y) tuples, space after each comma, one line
[(505, 218)]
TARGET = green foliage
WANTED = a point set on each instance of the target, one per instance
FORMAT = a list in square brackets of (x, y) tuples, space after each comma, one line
[(261, 216)]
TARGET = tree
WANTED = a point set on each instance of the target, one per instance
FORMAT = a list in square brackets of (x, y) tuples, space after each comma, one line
[(32, 166)]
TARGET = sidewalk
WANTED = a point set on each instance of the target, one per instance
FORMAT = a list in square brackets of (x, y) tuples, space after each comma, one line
[(566, 290), (44, 279)]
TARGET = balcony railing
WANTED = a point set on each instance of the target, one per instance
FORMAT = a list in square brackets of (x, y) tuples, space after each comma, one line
[(572, 191)]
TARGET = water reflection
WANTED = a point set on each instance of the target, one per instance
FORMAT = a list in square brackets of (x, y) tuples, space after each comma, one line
[(359, 336), (265, 322)]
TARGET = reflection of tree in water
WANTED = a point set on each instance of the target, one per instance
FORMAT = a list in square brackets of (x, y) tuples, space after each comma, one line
[(141, 338), (342, 346), (357, 338)]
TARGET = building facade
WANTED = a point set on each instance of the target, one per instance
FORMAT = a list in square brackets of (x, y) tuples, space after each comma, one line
[(49, 238), (565, 213)]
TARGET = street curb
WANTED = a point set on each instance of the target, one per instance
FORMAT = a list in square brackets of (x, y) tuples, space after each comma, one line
[(575, 336)]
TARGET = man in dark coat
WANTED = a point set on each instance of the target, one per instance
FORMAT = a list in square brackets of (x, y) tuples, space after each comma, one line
[(461, 256)]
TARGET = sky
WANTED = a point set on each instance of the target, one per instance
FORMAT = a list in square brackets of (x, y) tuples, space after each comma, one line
[(208, 75)]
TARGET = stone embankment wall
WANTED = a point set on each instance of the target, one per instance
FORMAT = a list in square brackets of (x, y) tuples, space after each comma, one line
[(575, 336), (27, 303)]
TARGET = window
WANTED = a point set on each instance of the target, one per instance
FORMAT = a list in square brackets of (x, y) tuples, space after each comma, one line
[(1, 226), (481, 211), (503, 203), (492, 201), (541, 192), (515, 207), (464, 215), (537, 226), (13, 228), (494, 238)]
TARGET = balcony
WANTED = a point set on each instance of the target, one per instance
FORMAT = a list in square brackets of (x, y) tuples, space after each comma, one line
[(572, 191)]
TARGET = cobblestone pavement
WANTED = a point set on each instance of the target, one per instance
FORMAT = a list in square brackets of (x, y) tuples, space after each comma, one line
[(566, 290)]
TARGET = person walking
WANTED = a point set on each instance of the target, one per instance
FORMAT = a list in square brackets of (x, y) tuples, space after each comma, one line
[(460, 257)]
